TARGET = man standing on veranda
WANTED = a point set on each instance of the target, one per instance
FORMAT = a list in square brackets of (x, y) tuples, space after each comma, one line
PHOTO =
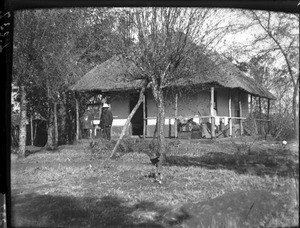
[(106, 121)]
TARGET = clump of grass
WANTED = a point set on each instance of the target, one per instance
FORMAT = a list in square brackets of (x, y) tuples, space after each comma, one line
[(243, 144)]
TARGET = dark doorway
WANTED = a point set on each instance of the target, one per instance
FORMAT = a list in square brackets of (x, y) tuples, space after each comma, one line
[(137, 119)]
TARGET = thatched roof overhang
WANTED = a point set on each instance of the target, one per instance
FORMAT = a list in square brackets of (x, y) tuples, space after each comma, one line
[(213, 70), (256, 91), (118, 75), (207, 86)]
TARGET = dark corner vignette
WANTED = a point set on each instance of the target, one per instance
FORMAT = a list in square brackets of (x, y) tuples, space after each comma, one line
[(6, 47), (6, 41)]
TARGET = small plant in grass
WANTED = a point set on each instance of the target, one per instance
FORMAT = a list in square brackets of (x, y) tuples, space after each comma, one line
[(128, 145), (244, 145), (100, 147)]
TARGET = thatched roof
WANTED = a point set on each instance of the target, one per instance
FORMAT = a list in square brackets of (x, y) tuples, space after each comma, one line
[(215, 70), (117, 74)]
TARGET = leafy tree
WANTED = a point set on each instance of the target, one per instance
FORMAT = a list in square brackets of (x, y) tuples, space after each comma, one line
[(165, 42), (93, 45), (24, 65), (60, 46), (279, 39), (35, 43), (270, 55)]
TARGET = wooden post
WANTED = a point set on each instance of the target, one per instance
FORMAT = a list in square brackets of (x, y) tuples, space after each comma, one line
[(95, 127), (229, 113), (170, 128), (260, 129), (268, 116), (212, 91), (251, 105), (176, 113), (144, 117), (241, 113), (94, 134), (77, 117)]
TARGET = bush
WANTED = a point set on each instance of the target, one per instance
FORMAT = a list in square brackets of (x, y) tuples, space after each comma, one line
[(282, 127)]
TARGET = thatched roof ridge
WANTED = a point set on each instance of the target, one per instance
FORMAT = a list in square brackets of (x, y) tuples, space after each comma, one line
[(118, 74)]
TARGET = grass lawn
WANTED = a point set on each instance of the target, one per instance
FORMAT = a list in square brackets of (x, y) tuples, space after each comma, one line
[(71, 188)]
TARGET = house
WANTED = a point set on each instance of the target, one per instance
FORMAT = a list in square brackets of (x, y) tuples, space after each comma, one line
[(216, 96)]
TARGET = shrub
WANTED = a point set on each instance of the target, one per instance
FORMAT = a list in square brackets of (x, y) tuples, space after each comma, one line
[(281, 126)]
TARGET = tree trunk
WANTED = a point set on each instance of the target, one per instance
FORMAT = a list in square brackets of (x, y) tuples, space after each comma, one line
[(156, 126), (49, 144), (31, 130), (35, 129), (55, 143), (50, 140), (161, 126), (127, 123), (22, 129), (67, 119)]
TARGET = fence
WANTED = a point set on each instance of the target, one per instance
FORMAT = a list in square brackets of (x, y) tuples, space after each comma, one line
[(231, 126)]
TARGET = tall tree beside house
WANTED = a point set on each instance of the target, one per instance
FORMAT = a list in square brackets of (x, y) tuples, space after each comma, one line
[(62, 26), (53, 48), (279, 37), (93, 41), (270, 54), (164, 43), (24, 65), (35, 28)]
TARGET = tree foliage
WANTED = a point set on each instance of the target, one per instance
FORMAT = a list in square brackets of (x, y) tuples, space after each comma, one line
[(165, 43), (52, 50), (271, 57), (280, 38)]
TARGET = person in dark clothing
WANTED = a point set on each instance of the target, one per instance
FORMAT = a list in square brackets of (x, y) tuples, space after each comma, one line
[(106, 121)]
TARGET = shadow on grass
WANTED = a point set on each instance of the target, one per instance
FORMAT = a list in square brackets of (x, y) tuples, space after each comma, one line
[(33, 210), (242, 164), (30, 150)]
